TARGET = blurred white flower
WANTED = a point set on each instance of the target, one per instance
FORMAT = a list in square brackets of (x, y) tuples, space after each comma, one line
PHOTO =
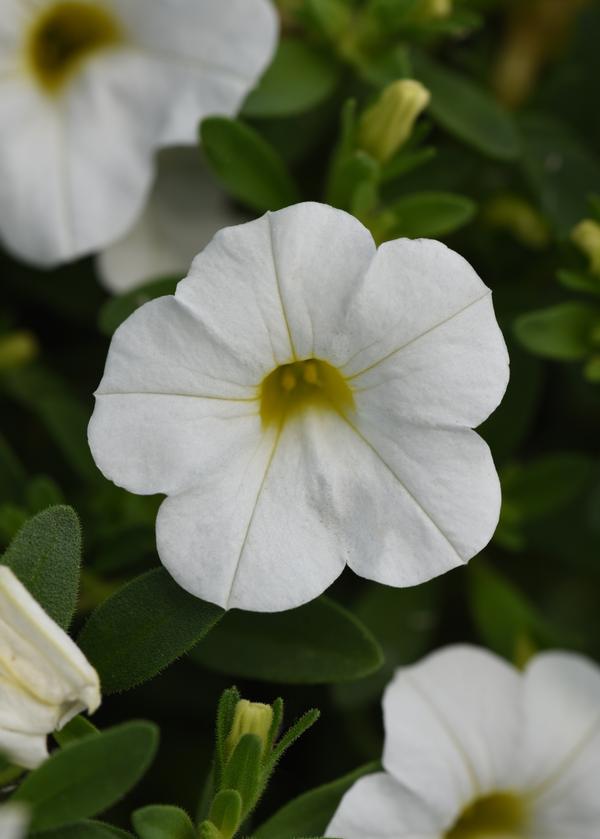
[(475, 749), (184, 211), (306, 401), (45, 680), (13, 821), (89, 89)]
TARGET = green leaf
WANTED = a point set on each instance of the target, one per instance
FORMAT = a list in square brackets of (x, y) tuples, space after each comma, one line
[(468, 111), (46, 557), (243, 770), (142, 628), (163, 822), (560, 169), (299, 78), (84, 830), (562, 332), (430, 214), (310, 814), (505, 618), (117, 309), (318, 643), (78, 728), (578, 281), (88, 776), (226, 812), (246, 165), (547, 484), (44, 393)]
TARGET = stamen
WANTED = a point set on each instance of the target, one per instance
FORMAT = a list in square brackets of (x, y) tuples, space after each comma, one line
[(63, 36), (311, 383)]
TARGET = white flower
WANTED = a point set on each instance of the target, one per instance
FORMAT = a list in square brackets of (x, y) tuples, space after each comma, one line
[(474, 749), (305, 401), (89, 89), (184, 211), (45, 680), (13, 821)]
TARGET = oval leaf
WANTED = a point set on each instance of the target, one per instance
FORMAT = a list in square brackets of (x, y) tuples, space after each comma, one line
[(142, 628), (310, 814), (560, 332), (299, 78), (246, 165), (467, 111), (85, 830), (88, 776), (46, 557), (430, 214), (316, 644), (163, 822)]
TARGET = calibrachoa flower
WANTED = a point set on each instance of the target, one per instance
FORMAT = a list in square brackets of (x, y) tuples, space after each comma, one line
[(306, 401), (184, 211), (45, 680), (89, 89), (474, 749), (13, 821)]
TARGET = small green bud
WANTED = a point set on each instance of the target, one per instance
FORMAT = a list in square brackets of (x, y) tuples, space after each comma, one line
[(437, 9), (249, 718), (586, 235), (515, 215), (17, 348), (388, 123)]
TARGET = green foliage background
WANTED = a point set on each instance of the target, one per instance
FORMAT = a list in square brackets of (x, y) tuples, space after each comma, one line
[(504, 188)]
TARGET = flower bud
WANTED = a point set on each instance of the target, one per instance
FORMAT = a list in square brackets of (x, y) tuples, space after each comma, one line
[(17, 348), (437, 8), (249, 718), (389, 122), (586, 235), (46, 679)]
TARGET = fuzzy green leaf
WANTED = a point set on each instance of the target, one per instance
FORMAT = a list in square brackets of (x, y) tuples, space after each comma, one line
[(430, 214), (318, 643), (46, 557), (163, 822), (310, 813), (562, 332), (84, 830), (88, 776), (142, 628)]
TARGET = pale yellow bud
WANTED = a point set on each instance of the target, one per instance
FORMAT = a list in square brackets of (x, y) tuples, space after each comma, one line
[(249, 718), (515, 215), (586, 235), (437, 8), (389, 122), (17, 348)]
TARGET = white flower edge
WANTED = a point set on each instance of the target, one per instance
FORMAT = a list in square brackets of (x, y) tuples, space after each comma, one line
[(13, 821), (184, 211), (463, 724), (77, 167), (45, 678), (265, 519)]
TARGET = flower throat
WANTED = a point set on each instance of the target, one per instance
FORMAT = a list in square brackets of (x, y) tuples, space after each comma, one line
[(497, 816), (301, 384), (63, 36)]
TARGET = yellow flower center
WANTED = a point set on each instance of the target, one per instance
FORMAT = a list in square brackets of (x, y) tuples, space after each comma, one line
[(64, 36), (497, 816), (295, 386)]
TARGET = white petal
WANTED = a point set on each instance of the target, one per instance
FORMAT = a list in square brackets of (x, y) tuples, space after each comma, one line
[(260, 534), (215, 51), (45, 679), (185, 210), (430, 498), (378, 807), (426, 339), (560, 766), (290, 273), (13, 821), (451, 728)]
